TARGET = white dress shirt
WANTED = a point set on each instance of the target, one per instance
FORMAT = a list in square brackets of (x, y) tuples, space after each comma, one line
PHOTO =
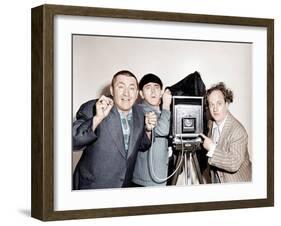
[(216, 132)]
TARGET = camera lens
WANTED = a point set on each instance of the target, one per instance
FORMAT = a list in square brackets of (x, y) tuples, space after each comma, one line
[(188, 122)]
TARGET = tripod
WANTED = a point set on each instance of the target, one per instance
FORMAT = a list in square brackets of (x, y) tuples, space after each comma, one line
[(186, 160)]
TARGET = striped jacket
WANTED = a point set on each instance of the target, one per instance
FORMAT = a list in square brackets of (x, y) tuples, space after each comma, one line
[(231, 157)]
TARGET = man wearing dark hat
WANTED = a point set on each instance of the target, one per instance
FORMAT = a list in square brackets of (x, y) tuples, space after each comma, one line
[(152, 166)]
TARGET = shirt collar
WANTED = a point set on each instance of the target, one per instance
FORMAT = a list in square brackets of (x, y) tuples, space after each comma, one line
[(128, 116), (215, 125)]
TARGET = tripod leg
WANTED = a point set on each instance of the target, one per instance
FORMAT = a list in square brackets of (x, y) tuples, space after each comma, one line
[(197, 167), (187, 166), (176, 175)]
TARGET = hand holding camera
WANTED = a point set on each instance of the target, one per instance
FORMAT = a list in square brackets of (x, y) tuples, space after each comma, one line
[(207, 142)]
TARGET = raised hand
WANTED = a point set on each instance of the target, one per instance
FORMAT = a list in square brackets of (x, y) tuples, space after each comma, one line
[(103, 107), (166, 99)]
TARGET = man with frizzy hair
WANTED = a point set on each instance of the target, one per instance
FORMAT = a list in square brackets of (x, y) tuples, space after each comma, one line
[(112, 131), (227, 140)]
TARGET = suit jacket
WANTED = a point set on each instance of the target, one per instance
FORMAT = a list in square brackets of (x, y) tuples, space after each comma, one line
[(104, 162), (231, 158)]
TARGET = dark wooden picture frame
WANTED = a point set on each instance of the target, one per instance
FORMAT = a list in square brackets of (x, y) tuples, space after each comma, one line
[(42, 203)]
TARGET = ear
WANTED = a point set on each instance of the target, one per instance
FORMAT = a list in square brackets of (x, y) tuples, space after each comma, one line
[(111, 90), (141, 94)]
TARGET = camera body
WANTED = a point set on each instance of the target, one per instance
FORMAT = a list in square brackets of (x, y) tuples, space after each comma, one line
[(187, 121)]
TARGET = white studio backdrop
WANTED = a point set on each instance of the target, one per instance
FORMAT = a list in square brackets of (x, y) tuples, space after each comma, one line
[(96, 59), (15, 44)]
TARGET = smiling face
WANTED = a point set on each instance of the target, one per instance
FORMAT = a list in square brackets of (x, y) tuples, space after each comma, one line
[(217, 105), (124, 92), (152, 93)]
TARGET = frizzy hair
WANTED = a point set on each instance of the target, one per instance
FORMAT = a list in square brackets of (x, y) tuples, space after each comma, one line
[(227, 93)]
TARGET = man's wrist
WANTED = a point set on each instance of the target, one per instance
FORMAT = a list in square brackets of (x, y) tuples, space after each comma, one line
[(96, 121), (211, 150), (147, 130), (166, 107)]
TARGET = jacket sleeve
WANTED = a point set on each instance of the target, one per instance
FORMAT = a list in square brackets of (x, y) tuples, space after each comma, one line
[(232, 155), (145, 142), (163, 124), (82, 133)]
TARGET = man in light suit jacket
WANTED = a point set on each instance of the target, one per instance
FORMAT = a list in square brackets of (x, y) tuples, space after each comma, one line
[(112, 132), (227, 141)]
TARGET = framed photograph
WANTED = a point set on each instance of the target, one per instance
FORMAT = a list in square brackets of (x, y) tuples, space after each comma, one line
[(75, 53)]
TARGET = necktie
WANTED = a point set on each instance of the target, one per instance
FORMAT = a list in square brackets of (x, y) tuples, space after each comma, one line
[(126, 132)]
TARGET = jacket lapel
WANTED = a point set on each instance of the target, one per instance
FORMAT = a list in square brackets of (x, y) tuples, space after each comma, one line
[(115, 129), (135, 125), (227, 126)]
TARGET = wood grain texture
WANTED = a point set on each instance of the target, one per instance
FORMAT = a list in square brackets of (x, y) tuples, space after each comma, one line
[(37, 114), (270, 112)]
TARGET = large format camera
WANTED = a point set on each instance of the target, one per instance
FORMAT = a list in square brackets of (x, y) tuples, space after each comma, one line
[(187, 124), (187, 121)]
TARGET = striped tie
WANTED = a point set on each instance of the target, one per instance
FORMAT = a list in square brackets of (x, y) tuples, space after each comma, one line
[(126, 132)]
